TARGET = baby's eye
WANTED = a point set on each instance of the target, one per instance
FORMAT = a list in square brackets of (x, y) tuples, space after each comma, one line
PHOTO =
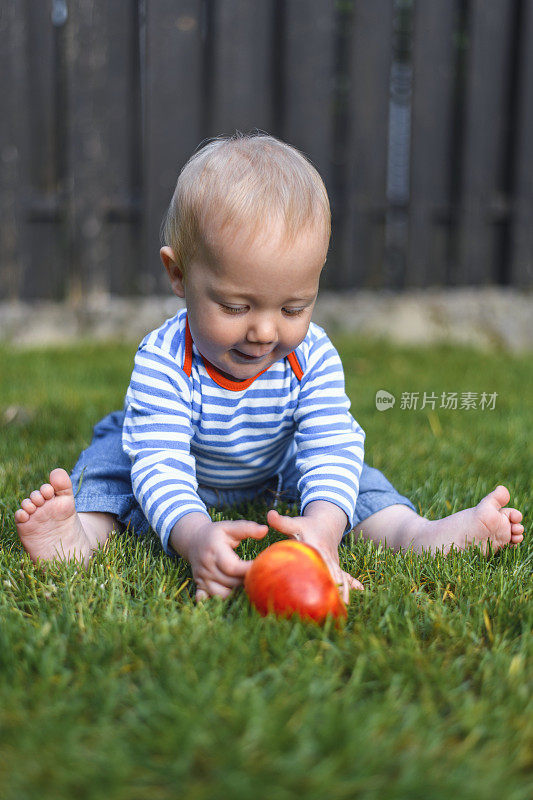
[(233, 310), (294, 312)]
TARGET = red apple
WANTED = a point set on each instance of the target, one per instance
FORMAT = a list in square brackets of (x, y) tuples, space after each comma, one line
[(292, 578)]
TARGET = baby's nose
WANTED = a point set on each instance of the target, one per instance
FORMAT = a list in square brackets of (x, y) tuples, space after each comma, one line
[(262, 329)]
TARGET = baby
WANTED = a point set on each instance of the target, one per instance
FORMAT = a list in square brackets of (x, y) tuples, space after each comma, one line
[(240, 396)]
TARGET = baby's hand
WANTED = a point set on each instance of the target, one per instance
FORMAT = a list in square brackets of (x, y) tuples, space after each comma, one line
[(304, 529), (216, 569)]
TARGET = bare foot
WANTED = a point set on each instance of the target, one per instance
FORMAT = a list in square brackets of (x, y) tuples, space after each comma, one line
[(486, 522), (49, 526)]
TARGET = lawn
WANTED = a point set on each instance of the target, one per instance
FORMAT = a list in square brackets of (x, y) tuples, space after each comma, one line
[(114, 684)]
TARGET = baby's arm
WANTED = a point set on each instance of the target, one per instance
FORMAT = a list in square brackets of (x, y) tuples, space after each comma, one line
[(329, 441), (208, 546), (330, 452), (157, 436)]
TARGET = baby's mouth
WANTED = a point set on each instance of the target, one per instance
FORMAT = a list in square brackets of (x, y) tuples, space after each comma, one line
[(250, 357)]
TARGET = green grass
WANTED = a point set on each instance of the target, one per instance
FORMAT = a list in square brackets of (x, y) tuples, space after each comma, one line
[(114, 684)]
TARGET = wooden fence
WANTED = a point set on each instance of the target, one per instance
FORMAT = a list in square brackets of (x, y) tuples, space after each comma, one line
[(418, 114)]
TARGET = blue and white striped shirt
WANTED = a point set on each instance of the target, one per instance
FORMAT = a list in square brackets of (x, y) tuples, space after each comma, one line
[(186, 424)]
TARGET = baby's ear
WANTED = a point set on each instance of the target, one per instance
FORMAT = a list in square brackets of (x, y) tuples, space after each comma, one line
[(175, 272)]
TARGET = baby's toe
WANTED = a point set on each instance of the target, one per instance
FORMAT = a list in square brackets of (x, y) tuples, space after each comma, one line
[(500, 496), (28, 506), (60, 480), (47, 491), (517, 531), (37, 498), (512, 514)]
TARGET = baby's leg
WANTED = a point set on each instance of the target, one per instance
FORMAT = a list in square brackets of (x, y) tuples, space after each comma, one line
[(401, 528), (50, 529)]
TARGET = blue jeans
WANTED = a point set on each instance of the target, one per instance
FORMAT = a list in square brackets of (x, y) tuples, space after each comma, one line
[(102, 482)]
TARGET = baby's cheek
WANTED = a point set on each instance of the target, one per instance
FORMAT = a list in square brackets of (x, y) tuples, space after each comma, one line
[(223, 334)]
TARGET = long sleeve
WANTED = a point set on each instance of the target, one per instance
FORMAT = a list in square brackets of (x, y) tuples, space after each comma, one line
[(330, 443), (156, 435)]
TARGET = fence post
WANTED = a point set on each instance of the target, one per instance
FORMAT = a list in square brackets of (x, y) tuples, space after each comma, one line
[(362, 235), (521, 257)]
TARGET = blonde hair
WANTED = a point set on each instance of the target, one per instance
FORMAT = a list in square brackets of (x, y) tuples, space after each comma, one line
[(242, 181)]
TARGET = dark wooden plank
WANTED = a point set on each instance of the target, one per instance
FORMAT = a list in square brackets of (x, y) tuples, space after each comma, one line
[(104, 148), (122, 126), (521, 266), (173, 80), (14, 127), (41, 96), (362, 237), (309, 63), (242, 67), (44, 218), (88, 47), (488, 72), (431, 138)]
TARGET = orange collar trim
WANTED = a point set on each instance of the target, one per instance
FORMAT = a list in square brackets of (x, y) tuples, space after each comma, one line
[(221, 380), (295, 364)]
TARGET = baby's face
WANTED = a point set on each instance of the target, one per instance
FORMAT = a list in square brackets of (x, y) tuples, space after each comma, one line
[(249, 305)]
